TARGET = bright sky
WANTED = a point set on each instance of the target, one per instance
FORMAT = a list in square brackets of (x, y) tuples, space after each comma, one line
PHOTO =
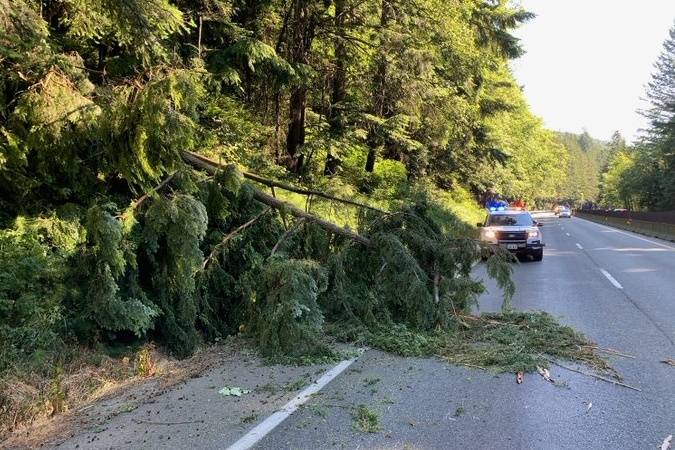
[(588, 61)]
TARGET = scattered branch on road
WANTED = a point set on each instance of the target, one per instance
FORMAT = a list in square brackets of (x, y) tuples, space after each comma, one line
[(611, 351), (599, 377), (148, 422)]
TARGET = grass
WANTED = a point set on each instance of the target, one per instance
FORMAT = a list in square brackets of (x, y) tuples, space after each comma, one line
[(370, 381), (250, 418), (296, 385), (366, 420), (90, 375)]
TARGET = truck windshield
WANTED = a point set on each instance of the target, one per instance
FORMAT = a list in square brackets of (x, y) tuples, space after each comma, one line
[(510, 220)]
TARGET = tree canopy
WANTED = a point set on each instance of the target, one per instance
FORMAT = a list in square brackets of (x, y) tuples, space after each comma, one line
[(398, 103)]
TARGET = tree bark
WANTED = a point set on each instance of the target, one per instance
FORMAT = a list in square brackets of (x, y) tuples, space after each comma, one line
[(296, 127)]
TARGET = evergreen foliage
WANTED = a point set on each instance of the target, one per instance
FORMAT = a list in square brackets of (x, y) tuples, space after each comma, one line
[(289, 320), (375, 99), (172, 233), (32, 289), (641, 176), (109, 259)]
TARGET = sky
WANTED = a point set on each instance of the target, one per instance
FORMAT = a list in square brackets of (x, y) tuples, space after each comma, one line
[(588, 61)]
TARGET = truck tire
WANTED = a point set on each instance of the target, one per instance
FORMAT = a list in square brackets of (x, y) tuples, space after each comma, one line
[(538, 255)]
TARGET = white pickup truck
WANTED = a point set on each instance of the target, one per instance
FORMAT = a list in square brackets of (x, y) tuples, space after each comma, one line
[(514, 230)]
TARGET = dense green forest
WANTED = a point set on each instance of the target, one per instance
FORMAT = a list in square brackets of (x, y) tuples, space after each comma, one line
[(642, 176), (587, 158), (406, 108)]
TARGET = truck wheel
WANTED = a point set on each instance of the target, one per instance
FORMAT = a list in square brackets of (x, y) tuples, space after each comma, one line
[(538, 255)]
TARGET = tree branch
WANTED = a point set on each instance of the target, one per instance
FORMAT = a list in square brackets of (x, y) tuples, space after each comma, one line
[(230, 235), (192, 157), (212, 167)]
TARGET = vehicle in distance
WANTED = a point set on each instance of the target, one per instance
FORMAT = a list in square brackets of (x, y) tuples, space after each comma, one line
[(565, 212), (514, 230)]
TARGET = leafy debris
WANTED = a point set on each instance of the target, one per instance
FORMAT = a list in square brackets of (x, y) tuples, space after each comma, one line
[(233, 391)]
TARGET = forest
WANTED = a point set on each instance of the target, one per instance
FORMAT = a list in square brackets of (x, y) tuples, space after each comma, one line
[(181, 171), (641, 176)]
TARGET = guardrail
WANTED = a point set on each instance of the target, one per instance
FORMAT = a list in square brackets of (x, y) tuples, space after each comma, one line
[(635, 221)]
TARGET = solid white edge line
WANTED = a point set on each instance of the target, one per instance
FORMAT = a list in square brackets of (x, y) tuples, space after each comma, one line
[(266, 426), (631, 235), (611, 279), (579, 245)]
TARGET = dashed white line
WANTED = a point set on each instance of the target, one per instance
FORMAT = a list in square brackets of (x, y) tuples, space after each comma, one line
[(266, 426), (611, 279), (579, 246)]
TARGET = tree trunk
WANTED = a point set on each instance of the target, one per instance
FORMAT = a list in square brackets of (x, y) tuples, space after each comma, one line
[(338, 92), (300, 37), (370, 160), (212, 168), (382, 106), (296, 126)]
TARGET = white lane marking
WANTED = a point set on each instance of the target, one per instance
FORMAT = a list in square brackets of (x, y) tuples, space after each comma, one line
[(579, 246), (632, 235), (611, 279), (266, 426)]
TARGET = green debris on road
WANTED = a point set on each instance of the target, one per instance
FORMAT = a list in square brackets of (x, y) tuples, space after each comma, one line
[(233, 391), (366, 420)]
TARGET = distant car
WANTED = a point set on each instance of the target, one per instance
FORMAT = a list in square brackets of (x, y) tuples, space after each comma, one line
[(514, 230), (565, 212)]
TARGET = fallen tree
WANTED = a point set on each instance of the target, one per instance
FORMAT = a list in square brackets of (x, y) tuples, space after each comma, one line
[(195, 159), (211, 167)]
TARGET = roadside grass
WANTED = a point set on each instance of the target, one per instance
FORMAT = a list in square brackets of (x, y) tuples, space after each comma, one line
[(511, 341), (365, 419), (90, 375)]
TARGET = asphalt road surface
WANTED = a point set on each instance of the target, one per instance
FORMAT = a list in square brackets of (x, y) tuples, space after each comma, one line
[(616, 287)]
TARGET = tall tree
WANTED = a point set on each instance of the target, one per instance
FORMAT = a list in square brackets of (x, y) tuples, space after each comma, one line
[(303, 17)]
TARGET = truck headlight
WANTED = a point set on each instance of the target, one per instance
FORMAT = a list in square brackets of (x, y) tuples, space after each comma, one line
[(489, 234), (533, 234)]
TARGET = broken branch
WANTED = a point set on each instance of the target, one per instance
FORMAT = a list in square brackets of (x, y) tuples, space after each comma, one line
[(191, 157), (287, 233), (147, 195), (589, 374), (230, 235), (212, 167)]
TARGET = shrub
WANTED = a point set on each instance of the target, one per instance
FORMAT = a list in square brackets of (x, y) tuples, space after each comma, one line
[(32, 289)]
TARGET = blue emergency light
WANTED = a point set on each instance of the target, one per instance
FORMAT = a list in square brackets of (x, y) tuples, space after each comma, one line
[(497, 205)]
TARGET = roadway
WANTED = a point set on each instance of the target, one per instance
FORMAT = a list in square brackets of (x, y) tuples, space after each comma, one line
[(616, 287)]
